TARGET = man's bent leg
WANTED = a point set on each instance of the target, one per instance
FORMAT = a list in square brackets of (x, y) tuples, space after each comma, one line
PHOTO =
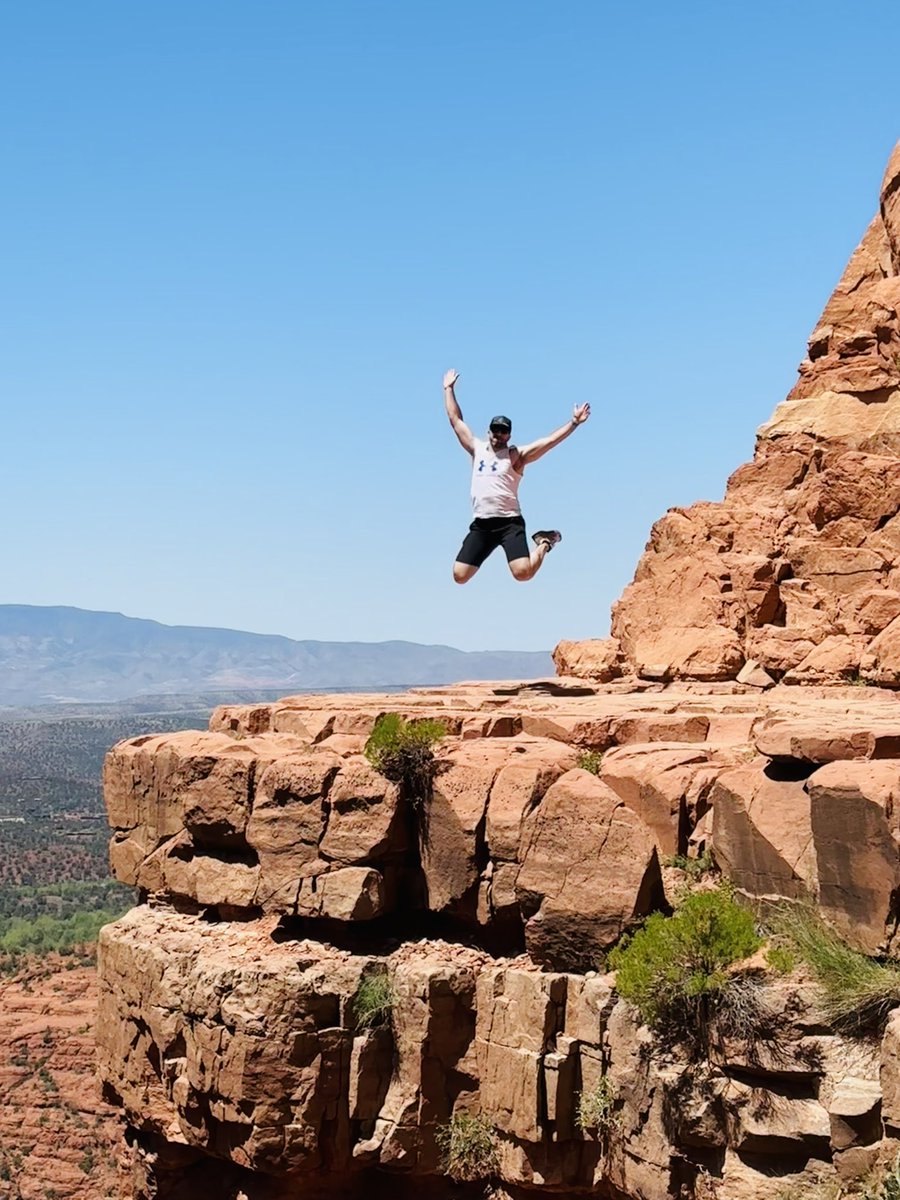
[(526, 568), (477, 545)]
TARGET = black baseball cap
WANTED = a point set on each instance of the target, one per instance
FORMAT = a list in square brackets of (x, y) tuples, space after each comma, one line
[(501, 425)]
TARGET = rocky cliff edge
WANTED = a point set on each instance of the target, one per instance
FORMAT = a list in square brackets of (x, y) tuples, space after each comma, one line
[(279, 871), (283, 878)]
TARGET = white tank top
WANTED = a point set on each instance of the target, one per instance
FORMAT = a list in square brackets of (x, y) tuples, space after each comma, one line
[(495, 482)]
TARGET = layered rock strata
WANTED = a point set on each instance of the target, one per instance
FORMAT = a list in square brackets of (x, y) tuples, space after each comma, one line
[(279, 871), (795, 575)]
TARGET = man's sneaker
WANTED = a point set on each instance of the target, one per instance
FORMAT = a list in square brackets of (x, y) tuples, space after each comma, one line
[(550, 537)]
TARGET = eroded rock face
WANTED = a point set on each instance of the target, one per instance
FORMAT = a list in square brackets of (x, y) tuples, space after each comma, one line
[(279, 872), (797, 570), (589, 870), (229, 1040), (224, 1046)]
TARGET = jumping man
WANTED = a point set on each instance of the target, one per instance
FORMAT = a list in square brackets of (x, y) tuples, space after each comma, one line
[(497, 470)]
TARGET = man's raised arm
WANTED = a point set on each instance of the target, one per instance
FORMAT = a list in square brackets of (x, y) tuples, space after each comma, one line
[(532, 452), (454, 412)]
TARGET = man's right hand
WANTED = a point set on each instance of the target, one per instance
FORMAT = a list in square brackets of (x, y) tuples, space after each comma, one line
[(450, 378)]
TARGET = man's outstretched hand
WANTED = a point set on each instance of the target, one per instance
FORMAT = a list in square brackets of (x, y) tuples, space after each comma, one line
[(450, 378), (580, 412)]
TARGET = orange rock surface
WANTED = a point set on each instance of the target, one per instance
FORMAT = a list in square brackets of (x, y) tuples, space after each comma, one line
[(57, 1137), (280, 870), (795, 574)]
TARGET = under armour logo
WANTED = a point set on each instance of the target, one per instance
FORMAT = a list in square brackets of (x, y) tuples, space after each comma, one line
[(481, 465), (493, 466)]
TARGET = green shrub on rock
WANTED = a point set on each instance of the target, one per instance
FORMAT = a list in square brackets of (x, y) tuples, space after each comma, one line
[(857, 991), (886, 1185), (403, 752), (596, 1108), (374, 1001), (590, 760), (673, 968), (468, 1146)]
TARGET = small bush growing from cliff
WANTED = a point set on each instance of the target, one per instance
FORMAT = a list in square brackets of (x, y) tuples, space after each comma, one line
[(403, 752), (590, 760), (781, 959), (694, 868), (468, 1146), (673, 967), (373, 1002), (857, 991), (596, 1108), (885, 1187)]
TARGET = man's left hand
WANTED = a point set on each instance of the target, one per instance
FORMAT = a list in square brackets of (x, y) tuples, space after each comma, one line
[(580, 413)]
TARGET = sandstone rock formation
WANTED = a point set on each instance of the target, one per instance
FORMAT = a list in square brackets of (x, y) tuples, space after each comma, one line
[(279, 871), (795, 575), (282, 879)]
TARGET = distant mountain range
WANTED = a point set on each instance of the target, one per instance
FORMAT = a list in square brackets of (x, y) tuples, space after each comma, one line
[(53, 655)]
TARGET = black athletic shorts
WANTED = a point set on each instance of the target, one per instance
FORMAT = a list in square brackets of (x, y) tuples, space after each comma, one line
[(487, 533)]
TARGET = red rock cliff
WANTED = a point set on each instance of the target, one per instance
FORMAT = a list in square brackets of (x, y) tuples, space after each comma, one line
[(280, 871), (795, 575), (282, 877)]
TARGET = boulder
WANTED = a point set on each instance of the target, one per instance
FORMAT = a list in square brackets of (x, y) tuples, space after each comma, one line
[(364, 823), (762, 833), (828, 737), (666, 784), (287, 824), (853, 816), (452, 823), (596, 658), (518, 1015), (589, 869), (519, 785)]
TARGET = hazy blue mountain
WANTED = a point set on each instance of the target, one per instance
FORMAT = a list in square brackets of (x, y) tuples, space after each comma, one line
[(71, 654)]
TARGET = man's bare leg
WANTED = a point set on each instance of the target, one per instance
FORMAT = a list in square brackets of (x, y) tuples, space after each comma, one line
[(463, 572), (526, 568)]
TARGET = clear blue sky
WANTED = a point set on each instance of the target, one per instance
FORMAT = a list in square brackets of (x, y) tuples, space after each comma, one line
[(242, 241)]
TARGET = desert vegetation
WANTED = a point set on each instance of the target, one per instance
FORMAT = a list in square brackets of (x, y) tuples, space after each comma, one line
[(590, 760), (55, 887), (596, 1112), (857, 992), (373, 1002), (403, 751), (63, 919), (674, 969), (468, 1146)]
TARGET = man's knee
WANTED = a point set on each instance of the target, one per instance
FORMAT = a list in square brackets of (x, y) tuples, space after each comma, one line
[(462, 572), (521, 569)]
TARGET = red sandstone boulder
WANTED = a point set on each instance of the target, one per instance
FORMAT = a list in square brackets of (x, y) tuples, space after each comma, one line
[(589, 869), (855, 828), (667, 785), (519, 1013), (596, 658), (364, 820), (452, 823), (287, 823), (762, 834), (829, 737)]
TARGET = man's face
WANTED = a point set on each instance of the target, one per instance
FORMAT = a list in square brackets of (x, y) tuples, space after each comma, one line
[(499, 437)]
